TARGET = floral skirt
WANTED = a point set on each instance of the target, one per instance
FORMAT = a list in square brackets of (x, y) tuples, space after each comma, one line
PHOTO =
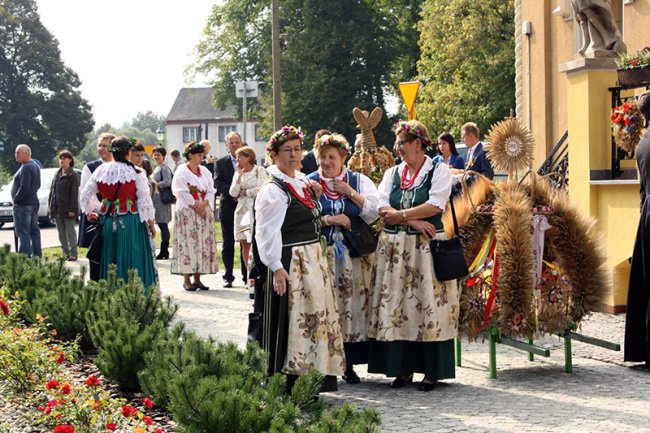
[(313, 331), (195, 243), (352, 280), (407, 303)]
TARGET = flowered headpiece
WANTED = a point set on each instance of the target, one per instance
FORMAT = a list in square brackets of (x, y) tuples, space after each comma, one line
[(282, 132), (413, 131), (334, 140), (122, 144), (195, 148)]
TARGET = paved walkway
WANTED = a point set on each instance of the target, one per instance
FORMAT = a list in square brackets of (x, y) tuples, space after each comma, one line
[(602, 395)]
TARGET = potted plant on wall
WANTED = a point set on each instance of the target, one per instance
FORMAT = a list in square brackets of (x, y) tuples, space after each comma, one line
[(634, 68)]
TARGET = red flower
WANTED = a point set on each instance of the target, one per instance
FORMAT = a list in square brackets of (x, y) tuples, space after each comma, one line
[(627, 121), (48, 410), (41, 408), (147, 403), (147, 420), (52, 384), (111, 426), (65, 389), (92, 381), (64, 428), (61, 358), (4, 306), (626, 107), (127, 411), (614, 116), (159, 430)]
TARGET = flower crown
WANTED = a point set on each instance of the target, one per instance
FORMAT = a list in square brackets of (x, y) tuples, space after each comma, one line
[(195, 148), (409, 129), (335, 140), (284, 131), (121, 145)]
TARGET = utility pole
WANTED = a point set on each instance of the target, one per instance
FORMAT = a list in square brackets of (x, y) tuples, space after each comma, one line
[(275, 52)]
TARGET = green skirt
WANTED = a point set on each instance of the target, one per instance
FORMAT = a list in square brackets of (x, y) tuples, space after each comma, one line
[(126, 244), (435, 359)]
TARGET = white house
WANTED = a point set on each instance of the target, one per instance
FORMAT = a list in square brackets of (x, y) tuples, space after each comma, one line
[(193, 118)]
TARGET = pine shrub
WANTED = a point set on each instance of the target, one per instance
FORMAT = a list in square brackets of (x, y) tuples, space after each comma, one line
[(126, 326)]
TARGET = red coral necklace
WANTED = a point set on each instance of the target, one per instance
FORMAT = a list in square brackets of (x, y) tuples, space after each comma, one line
[(329, 193), (197, 172), (405, 182), (306, 199)]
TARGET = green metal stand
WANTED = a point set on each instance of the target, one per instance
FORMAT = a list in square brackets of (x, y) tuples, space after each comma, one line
[(457, 352), (531, 355), (494, 338), (570, 335), (568, 356)]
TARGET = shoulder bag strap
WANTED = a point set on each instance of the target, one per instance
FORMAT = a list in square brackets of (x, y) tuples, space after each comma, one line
[(453, 216)]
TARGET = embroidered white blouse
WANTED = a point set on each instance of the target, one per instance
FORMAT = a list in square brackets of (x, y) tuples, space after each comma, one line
[(271, 207), (183, 177), (368, 190), (110, 173), (440, 183)]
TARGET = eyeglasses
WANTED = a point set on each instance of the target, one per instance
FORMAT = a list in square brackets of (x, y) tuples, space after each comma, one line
[(291, 150), (403, 142)]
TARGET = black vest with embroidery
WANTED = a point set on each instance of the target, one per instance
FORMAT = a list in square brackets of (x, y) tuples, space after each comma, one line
[(301, 225), (406, 199)]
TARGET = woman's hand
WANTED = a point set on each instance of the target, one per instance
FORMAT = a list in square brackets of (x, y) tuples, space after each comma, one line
[(393, 216), (281, 281), (316, 188), (424, 227), (340, 220), (343, 188), (152, 228)]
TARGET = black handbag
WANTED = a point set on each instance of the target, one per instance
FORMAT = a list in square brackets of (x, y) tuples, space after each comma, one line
[(360, 239), (166, 196), (94, 232), (448, 257)]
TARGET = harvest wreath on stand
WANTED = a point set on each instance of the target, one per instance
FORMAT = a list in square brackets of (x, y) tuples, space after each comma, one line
[(627, 126), (535, 262)]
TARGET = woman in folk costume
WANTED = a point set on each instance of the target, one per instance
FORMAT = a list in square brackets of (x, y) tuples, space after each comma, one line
[(195, 237), (414, 317), (346, 195), (301, 321), (126, 212)]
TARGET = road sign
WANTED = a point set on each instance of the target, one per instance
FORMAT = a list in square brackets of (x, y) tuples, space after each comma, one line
[(409, 91), (251, 89)]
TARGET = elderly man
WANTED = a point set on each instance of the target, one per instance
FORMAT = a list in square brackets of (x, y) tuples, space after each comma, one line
[(27, 182), (85, 226), (223, 174)]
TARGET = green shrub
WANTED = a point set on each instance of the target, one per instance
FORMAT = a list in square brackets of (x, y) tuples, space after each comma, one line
[(180, 350), (126, 326)]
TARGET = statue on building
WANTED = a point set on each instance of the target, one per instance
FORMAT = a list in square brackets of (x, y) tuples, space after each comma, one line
[(601, 36)]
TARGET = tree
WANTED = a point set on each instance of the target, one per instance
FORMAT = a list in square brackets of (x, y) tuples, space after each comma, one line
[(335, 55), (467, 64), (148, 120), (40, 103)]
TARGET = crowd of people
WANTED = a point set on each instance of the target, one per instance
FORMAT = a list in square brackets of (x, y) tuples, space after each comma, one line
[(330, 292)]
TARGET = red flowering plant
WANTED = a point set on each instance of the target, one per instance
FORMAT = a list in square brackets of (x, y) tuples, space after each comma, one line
[(28, 355), (86, 407)]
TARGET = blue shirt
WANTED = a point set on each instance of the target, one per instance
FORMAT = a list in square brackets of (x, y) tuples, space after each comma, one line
[(27, 182), (456, 161)]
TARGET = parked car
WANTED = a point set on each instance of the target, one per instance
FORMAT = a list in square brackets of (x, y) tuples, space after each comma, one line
[(6, 206)]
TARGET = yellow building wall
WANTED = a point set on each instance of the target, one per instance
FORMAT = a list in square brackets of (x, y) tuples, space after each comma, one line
[(580, 103)]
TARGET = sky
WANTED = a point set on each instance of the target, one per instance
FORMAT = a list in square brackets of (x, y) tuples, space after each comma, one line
[(129, 54)]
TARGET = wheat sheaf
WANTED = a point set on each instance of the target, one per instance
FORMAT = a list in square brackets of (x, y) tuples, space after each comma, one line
[(510, 147)]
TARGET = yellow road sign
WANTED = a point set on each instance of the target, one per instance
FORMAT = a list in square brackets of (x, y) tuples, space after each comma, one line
[(409, 91)]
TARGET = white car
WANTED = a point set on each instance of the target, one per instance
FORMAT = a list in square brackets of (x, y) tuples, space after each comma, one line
[(6, 206)]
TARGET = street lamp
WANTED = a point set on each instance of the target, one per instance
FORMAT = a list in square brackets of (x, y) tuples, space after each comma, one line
[(160, 134)]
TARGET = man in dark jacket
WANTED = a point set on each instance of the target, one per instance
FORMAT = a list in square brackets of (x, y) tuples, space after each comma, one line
[(223, 174), (476, 159), (24, 194), (86, 226), (309, 163)]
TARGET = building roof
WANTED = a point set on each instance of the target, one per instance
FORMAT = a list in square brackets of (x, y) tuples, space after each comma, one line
[(195, 103)]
